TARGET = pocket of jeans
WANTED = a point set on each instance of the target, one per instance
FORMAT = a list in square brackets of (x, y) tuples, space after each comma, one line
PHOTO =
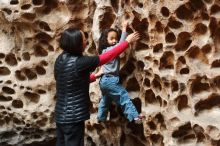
[(111, 80)]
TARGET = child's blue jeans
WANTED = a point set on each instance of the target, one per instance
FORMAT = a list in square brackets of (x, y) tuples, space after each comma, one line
[(113, 91)]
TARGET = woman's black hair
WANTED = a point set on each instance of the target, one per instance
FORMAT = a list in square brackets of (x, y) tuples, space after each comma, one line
[(103, 42), (71, 41)]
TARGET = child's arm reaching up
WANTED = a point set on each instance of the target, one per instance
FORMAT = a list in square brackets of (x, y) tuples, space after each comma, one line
[(116, 51), (124, 33)]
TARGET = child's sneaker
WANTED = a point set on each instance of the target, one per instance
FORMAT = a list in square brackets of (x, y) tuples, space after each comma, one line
[(139, 119)]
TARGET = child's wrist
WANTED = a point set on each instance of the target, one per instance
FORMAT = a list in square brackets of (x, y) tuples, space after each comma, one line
[(124, 29)]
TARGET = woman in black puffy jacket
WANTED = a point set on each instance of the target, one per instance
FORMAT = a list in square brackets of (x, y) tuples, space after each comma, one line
[(72, 74)]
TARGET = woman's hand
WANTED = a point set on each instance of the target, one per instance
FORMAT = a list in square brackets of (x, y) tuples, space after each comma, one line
[(133, 37)]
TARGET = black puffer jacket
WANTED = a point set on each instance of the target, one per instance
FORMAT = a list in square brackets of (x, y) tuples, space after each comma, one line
[(72, 91)]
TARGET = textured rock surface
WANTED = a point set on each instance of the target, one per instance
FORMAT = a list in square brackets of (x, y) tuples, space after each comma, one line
[(172, 73)]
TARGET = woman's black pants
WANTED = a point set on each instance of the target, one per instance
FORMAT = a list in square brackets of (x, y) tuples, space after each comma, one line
[(70, 134)]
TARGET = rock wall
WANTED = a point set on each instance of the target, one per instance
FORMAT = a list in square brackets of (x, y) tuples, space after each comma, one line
[(172, 73)]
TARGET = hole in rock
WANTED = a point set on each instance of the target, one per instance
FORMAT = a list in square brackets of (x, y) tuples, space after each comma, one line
[(170, 37), (2, 107), (28, 88), (184, 13), (156, 82), (37, 2), (160, 100), (42, 122), (40, 70), (141, 27), (20, 75), (140, 5), (5, 98), (157, 139), (194, 52), (26, 6), (8, 11), (158, 48), (212, 101), (14, 2), (4, 71), (43, 36), (2, 122), (44, 63), (152, 125), (150, 96), (182, 60), (17, 121), (50, 48), (182, 102), (90, 141), (8, 134), (10, 59), (173, 23), (196, 5), (140, 65), (8, 90), (7, 119), (2, 55), (115, 4), (141, 46), (215, 63), (182, 130), (213, 25), (200, 28), (137, 102), (147, 82), (28, 16), (165, 11), (216, 81), (8, 82), (199, 131), (198, 85), (133, 85), (166, 61), (214, 9), (40, 91), (107, 18), (205, 15), (44, 26), (160, 118), (206, 49), (30, 74), (184, 71), (33, 97), (40, 51), (34, 115), (183, 41), (174, 86), (26, 56), (159, 27), (17, 103)]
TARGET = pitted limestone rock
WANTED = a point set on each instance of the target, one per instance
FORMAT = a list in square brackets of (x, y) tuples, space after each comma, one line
[(172, 73)]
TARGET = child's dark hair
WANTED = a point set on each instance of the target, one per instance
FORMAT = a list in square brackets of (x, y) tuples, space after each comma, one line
[(71, 41), (103, 42)]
